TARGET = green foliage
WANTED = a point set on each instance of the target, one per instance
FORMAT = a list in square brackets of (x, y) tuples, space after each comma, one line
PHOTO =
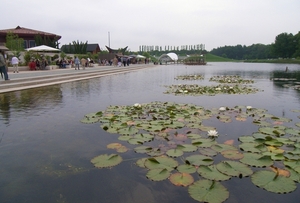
[(14, 43), (105, 160), (208, 191), (39, 40), (267, 147), (27, 57), (273, 182), (285, 46), (62, 55), (75, 48), (214, 58)]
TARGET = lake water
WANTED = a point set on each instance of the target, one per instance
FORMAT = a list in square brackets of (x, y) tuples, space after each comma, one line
[(45, 150)]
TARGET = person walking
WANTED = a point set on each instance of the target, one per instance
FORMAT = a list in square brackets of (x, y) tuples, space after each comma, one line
[(77, 63), (15, 63), (3, 66)]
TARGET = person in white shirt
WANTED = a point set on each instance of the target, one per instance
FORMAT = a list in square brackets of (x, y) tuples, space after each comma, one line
[(15, 63)]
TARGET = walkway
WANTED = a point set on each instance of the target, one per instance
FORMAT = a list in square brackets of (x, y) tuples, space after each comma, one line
[(33, 79)]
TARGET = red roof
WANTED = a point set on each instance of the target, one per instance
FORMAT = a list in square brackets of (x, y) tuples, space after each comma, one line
[(25, 31)]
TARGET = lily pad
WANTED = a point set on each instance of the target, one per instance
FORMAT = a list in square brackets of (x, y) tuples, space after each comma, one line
[(257, 160), (271, 131), (181, 179), (161, 162), (174, 152), (273, 182), (158, 174), (208, 152), (294, 164), (187, 147), (186, 168), (211, 173), (142, 149), (88, 120), (292, 131), (252, 147), (203, 142), (223, 147), (208, 191), (232, 154), (234, 168), (114, 145), (141, 162), (198, 160), (106, 160)]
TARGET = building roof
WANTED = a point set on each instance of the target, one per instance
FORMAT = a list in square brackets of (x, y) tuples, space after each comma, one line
[(169, 56), (26, 31), (92, 47), (116, 51)]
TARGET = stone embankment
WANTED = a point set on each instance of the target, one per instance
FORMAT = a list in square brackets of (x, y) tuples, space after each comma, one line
[(31, 79)]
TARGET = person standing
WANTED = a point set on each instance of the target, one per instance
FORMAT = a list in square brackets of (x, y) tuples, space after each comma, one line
[(77, 63), (83, 63), (3, 65), (15, 63), (119, 62)]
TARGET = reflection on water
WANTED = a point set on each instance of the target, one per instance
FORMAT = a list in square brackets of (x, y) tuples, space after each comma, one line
[(45, 151), (28, 102)]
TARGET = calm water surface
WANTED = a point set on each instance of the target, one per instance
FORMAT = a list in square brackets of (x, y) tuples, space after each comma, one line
[(45, 151)]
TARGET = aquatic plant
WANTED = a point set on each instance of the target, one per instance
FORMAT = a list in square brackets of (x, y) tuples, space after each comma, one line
[(230, 79), (176, 143), (197, 90), (190, 77)]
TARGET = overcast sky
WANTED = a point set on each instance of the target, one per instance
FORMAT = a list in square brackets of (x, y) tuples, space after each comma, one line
[(132, 23)]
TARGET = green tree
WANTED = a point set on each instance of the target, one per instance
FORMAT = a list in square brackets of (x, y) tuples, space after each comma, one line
[(14, 43), (297, 44), (39, 40), (76, 48), (284, 45)]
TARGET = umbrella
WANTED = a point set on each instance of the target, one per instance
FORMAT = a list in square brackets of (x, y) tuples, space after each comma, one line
[(42, 48), (3, 48)]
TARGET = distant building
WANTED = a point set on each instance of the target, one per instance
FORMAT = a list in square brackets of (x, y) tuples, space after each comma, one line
[(116, 51), (91, 48), (112, 53), (28, 35)]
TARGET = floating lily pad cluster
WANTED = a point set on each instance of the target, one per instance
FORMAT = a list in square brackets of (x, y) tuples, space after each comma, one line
[(197, 90), (177, 145), (231, 79), (230, 84), (292, 84), (190, 77)]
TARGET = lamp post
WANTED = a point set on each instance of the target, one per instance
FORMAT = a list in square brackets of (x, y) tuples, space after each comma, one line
[(108, 39)]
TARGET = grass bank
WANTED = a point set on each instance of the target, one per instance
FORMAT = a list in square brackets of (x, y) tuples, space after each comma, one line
[(288, 61), (213, 58)]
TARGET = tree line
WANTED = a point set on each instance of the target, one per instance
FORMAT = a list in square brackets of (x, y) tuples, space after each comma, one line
[(285, 46)]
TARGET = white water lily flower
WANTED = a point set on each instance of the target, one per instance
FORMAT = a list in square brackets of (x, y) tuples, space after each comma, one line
[(249, 107), (212, 133), (180, 90), (230, 87), (218, 88), (137, 105), (222, 108), (185, 91)]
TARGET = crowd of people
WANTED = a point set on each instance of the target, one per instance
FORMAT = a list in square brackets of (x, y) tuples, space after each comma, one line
[(38, 64), (41, 64)]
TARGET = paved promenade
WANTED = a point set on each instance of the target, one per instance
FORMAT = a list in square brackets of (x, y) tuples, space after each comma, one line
[(31, 79)]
